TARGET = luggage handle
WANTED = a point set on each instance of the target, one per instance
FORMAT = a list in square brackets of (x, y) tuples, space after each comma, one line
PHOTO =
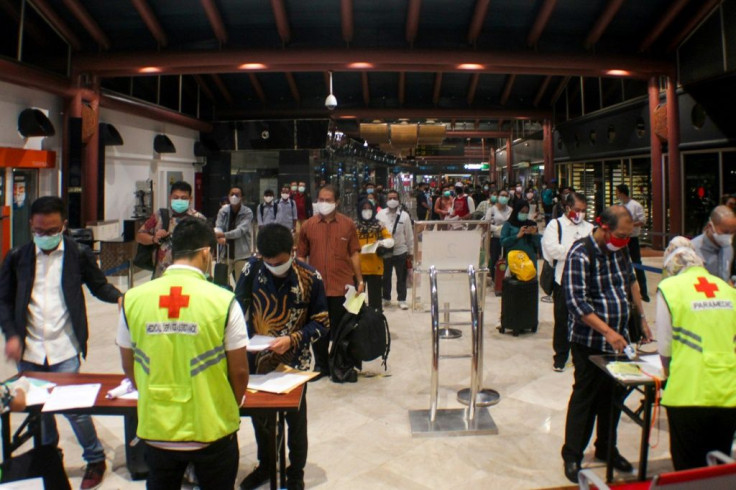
[(226, 248)]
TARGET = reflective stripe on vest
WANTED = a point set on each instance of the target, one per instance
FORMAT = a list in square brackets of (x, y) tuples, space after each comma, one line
[(177, 327), (703, 364)]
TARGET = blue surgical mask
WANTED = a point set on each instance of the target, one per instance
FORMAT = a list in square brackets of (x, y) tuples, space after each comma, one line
[(494, 199), (523, 216), (180, 205), (369, 191), (47, 242), (503, 200)]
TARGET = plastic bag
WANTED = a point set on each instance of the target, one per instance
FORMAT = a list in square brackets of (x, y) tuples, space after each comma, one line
[(521, 266)]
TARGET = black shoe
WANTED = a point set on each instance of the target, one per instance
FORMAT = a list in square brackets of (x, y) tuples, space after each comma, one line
[(572, 468), (322, 374), (619, 463), (645, 299), (294, 484), (257, 477)]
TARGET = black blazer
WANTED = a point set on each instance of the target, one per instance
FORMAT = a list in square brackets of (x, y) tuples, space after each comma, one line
[(16, 283)]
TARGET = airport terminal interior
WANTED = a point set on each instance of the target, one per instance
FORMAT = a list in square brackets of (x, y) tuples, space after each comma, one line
[(107, 104)]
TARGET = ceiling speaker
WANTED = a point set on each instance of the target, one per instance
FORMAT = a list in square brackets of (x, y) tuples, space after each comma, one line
[(109, 135), (32, 122), (162, 144)]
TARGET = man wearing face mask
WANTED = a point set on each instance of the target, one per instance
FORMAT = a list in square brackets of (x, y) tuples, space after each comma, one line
[(330, 241), (234, 228), (290, 305), (423, 202), (714, 244), (303, 203), (559, 237), (285, 210), (597, 277), (637, 213), (463, 204), (43, 314), (183, 345), (398, 222), (265, 211), (153, 232)]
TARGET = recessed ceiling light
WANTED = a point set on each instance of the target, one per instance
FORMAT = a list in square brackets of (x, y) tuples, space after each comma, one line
[(618, 73), (470, 66), (252, 66), (150, 69), (360, 65)]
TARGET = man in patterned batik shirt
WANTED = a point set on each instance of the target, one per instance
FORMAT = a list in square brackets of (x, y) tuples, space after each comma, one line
[(282, 298)]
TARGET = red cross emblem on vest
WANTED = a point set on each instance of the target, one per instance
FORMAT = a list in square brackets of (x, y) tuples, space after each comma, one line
[(174, 301), (705, 287)]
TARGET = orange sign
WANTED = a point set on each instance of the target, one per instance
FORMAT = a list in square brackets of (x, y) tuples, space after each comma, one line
[(22, 158)]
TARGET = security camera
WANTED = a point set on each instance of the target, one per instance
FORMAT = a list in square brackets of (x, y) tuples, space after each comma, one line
[(331, 102)]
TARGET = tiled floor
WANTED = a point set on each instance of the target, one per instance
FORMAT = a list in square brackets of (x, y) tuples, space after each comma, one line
[(359, 433)]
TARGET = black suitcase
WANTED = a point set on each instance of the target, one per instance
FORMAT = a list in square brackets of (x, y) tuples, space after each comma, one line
[(221, 274), (519, 305)]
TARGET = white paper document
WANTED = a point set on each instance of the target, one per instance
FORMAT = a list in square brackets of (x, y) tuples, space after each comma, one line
[(37, 395), (353, 302), (133, 395), (28, 484), (277, 382), (369, 248), (258, 343), (72, 396)]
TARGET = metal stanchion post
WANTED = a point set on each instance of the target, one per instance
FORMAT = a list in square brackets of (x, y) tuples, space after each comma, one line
[(476, 395), (434, 388)]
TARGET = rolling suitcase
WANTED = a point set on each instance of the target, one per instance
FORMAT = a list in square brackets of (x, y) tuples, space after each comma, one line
[(221, 274), (519, 305)]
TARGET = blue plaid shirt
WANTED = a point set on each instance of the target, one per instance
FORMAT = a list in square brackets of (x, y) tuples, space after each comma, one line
[(604, 293)]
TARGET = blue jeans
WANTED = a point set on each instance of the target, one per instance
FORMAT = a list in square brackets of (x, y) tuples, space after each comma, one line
[(82, 425)]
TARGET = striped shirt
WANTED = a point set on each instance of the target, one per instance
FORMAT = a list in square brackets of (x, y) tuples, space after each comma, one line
[(603, 293), (329, 247)]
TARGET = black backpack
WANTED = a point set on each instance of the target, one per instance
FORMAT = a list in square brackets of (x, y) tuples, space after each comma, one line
[(358, 338)]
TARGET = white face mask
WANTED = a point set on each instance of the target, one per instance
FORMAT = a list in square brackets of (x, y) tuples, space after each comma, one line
[(325, 208), (579, 217), (392, 203), (518, 190), (529, 196), (280, 270), (268, 199), (723, 239), (302, 188), (284, 196), (367, 214), (234, 200)]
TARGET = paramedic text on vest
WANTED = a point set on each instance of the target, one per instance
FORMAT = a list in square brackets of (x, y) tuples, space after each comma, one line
[(696, 324), (182, 342)]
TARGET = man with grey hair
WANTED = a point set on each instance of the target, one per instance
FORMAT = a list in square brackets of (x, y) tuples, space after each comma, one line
[(714, 244)]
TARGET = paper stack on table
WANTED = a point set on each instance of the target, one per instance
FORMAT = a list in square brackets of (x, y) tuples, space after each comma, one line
[(38, 393), (282, 380), (72, 396)]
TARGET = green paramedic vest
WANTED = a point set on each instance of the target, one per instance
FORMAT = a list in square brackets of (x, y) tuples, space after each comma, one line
[(703, 366), (177, 327)]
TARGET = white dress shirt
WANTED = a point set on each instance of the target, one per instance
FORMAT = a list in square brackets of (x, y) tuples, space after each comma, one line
[(637, 213), (404, 236), (497, 217), (552, 250), (49, 332)]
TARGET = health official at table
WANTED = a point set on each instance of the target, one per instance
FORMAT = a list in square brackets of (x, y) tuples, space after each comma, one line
[(696, 327), (183, 342)]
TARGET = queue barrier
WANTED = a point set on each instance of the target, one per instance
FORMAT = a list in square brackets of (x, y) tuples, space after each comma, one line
[(475, 419)]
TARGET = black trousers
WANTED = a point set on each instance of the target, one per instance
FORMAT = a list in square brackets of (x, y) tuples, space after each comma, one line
[(335, 311), (398, 263), (374, 283), (560, 337), (641, 277), (590, 400), (296, 440), (216, 466), (695, 431), (547, 213)]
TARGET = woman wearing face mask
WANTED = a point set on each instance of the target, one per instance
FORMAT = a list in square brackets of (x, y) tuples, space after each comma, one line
[(443, 204), (520, 233), (371, 231), (498, 214)]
